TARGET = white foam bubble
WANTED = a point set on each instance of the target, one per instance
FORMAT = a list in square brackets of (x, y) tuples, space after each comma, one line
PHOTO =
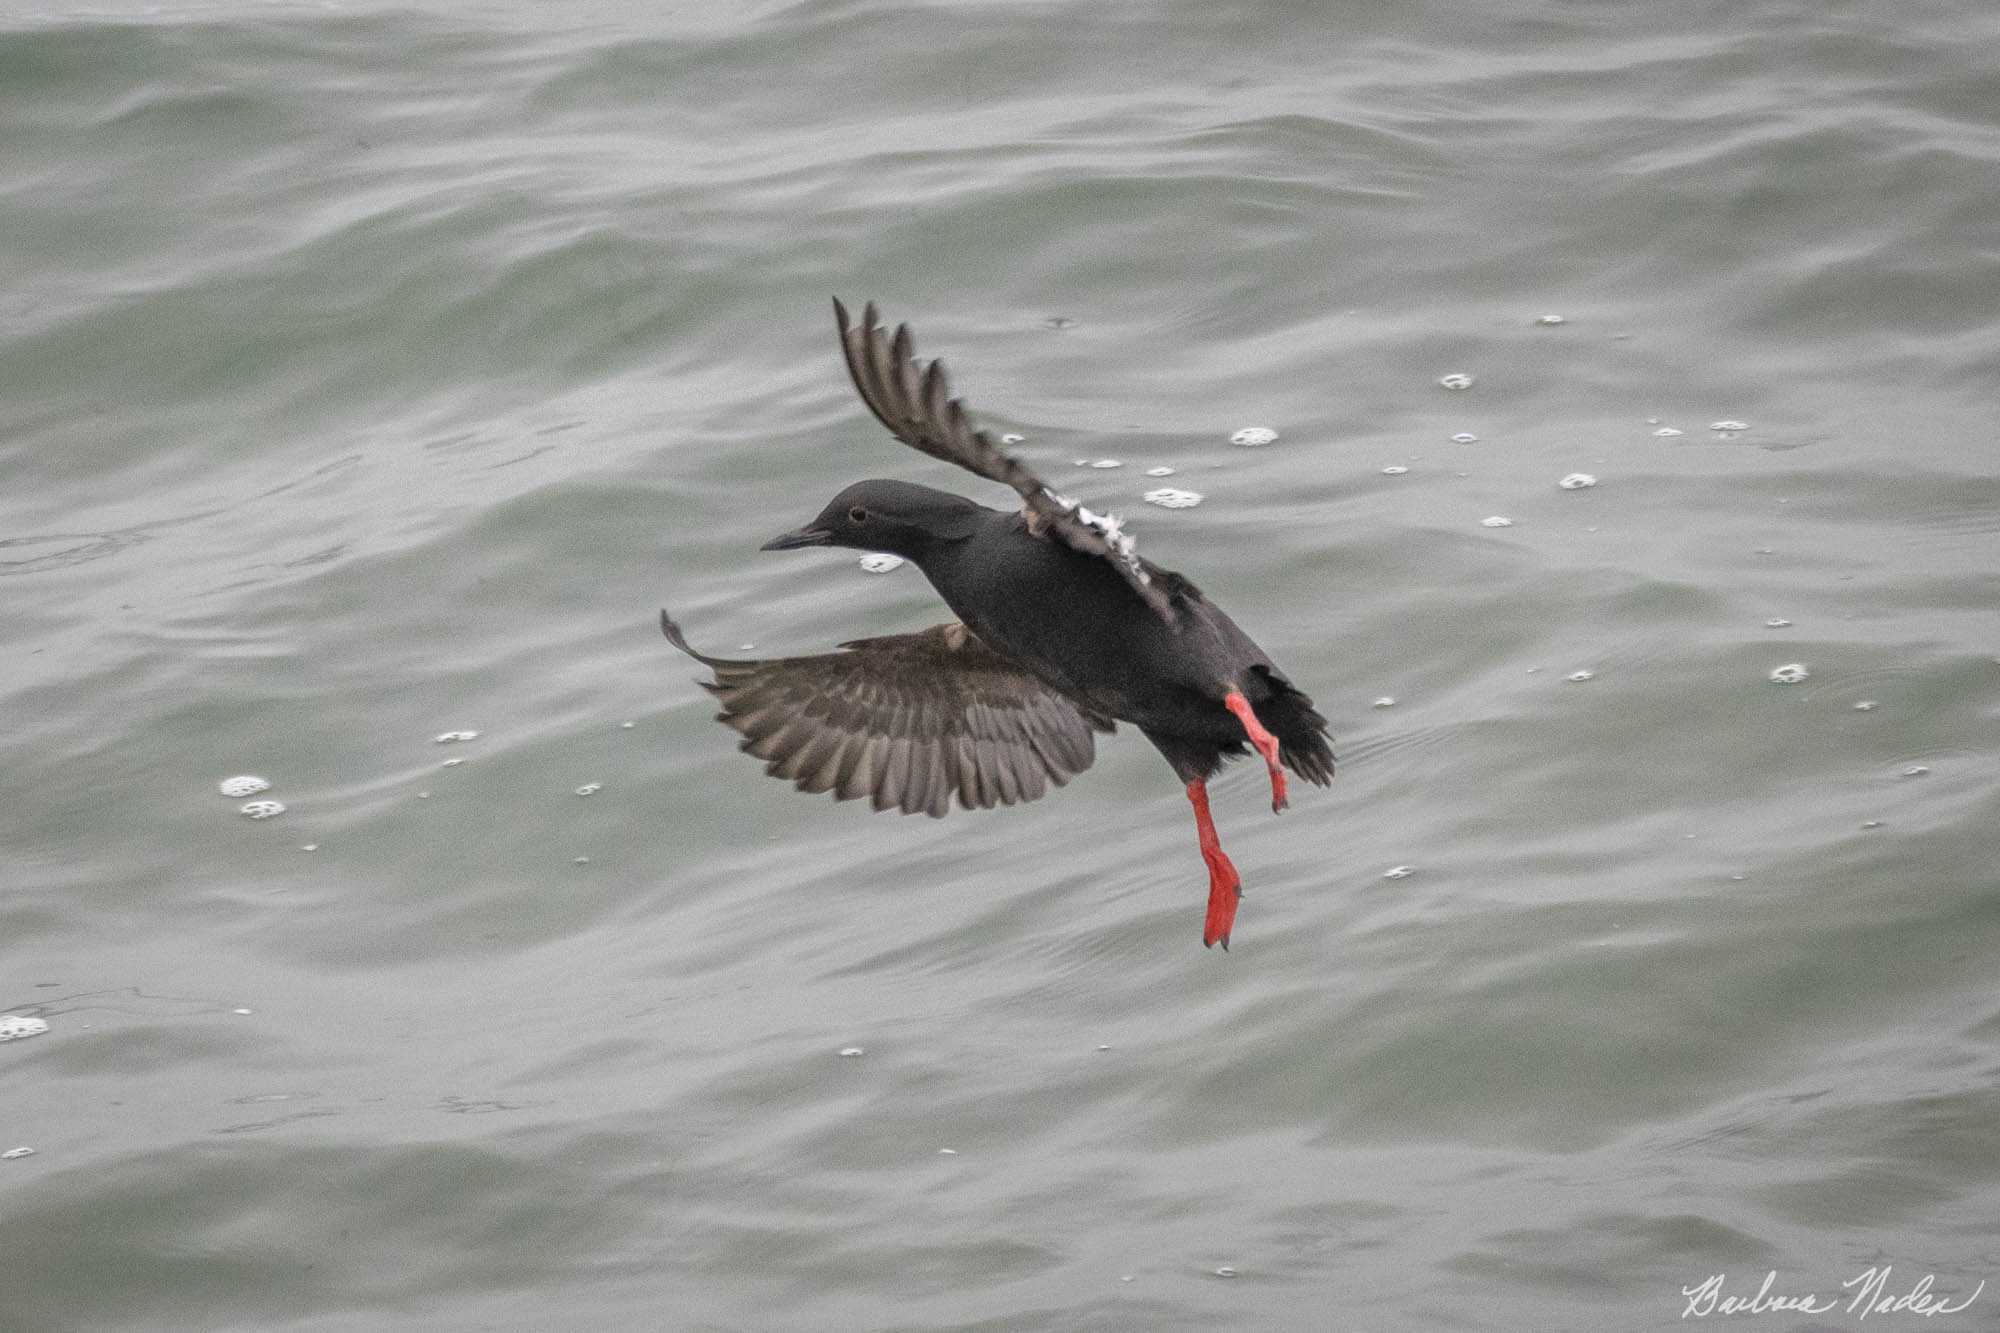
[(1159, 472), (1012, 438), (1577, 481), (881, 562), (1394, 471), (1105, 464), (1667, 432), (1252, 436), (1386, 701), (15, 1154), (1791, 673), (247, 784), (1456, 380), (1777, 622), (590, 789), (1465, 437), (261, 809), (1496, 522), (453, 737), (850, 1052), (1548, 320), (13, 1027), (1916, 770), (1168, 498), (1728, 426), (1399, 872), (1578, 677), (1866, 706)]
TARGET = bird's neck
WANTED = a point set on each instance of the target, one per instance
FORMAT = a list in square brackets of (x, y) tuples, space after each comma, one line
[(939, 555), (945, 535), (959, 563)]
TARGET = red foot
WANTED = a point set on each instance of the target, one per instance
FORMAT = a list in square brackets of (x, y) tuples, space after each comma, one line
[(1224, 888), (1266, 743)]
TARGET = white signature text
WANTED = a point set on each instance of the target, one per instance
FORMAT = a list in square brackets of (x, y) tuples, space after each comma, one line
[(1870, 1288)]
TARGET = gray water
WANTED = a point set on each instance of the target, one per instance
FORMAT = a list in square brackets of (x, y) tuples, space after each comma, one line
[(367, 375)]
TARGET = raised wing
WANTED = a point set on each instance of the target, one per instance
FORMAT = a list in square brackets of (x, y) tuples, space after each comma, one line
[(914, 401), (907, 720)]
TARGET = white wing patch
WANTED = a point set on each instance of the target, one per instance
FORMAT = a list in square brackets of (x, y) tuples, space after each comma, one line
[(1111, 528)]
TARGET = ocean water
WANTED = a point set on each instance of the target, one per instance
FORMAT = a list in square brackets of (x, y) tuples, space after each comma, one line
[(368, 375)]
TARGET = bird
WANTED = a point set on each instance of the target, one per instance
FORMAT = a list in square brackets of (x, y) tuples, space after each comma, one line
[(1063, 631)]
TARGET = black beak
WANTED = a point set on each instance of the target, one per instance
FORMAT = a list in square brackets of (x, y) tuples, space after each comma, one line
[(792, 541)]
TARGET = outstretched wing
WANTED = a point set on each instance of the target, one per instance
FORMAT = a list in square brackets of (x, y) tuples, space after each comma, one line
[(908, 720), (914, 401)]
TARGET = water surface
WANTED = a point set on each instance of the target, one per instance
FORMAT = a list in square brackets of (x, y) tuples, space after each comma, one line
[(367, 375)]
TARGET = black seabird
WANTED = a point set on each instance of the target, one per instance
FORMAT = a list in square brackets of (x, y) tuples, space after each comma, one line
[(1063, 630)]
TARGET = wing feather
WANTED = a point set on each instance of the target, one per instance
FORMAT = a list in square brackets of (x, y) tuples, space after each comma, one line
[(914, 402), (909, 721)]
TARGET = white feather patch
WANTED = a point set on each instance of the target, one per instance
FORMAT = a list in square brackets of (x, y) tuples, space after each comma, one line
[(1111, 528)]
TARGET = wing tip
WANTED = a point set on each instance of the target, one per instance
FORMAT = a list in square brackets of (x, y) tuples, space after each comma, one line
[(674, 636)]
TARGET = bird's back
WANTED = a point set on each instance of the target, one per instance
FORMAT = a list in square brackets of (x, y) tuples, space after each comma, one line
[(1074, 622)]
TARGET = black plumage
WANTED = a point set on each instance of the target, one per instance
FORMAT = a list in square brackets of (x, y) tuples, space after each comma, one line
[(1063, 630)]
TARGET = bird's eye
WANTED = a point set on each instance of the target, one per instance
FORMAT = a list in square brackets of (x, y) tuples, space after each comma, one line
[(857, 515)]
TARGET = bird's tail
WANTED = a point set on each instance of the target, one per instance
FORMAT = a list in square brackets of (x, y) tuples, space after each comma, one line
[(1303, 746)]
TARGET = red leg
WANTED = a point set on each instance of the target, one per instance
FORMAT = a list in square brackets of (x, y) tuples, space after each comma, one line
[(1224, 888), (1266, 743)]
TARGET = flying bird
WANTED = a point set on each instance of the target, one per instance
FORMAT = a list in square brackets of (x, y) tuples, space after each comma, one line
[(1063, 631)]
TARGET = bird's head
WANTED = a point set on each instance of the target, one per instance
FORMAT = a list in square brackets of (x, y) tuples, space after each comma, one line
[(894, 516)]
